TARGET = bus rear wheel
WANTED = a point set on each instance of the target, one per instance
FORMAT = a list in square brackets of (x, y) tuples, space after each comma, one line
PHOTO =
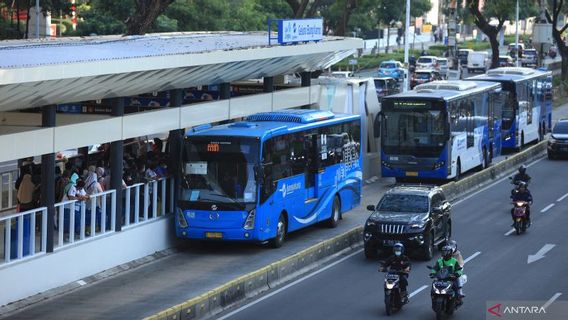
[(277, 241), (335, 213)]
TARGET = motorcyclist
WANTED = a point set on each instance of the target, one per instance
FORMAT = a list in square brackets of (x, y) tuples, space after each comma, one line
[(399, 263), (456, 254), (447, 260), (522, 175), (523, 194)]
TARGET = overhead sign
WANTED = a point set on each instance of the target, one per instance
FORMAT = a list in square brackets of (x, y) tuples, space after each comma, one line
[(299, 30)]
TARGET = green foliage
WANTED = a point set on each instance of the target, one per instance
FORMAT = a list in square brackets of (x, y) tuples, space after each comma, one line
[(505, 9)]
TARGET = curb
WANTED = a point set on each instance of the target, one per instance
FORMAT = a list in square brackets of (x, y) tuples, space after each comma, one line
[(273, 275)]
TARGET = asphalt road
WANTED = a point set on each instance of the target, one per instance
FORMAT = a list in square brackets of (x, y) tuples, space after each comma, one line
[(498, 269)]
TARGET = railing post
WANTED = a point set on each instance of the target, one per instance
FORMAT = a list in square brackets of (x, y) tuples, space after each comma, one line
[(8, 236), (20, 236), (2, 192), (93, 216), (72, 222), (172, 193), (113, 210), (83, 220), (164, 183), (137, 205), (154, 199), (103, 214), (127, 206), (146, 196), (44, 230), (61, 224), (32, 232)]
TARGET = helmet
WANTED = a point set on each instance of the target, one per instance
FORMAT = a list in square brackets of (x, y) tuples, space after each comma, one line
[(522, 169), (522, 184), (447, 252), (398, 249), (454, 245)]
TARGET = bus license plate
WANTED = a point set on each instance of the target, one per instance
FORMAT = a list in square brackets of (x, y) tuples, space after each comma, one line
[(412, 174), (213, 235)]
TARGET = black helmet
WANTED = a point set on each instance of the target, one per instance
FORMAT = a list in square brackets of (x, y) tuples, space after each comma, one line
[(522, 184), (398, 247), (447, 252), (522, 169)]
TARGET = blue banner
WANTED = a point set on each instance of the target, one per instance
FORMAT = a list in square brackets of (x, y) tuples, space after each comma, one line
[(300, 30)]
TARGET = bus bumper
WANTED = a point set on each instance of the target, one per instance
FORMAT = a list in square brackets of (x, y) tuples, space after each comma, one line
[(213, 234)]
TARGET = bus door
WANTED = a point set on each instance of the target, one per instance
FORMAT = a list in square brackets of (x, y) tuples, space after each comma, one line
[(312, 165)]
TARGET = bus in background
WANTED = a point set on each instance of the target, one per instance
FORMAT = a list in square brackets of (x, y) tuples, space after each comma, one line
[(527, 113), (441, 129), (271, 174)]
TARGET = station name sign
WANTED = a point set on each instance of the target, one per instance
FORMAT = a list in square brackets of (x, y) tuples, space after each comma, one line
[(299, 30)]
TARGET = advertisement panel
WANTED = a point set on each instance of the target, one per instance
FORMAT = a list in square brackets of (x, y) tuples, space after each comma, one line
[(299, 30)]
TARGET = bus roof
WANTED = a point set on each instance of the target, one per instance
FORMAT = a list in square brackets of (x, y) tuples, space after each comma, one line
[(446, 89), (514, 74), (262, 124)]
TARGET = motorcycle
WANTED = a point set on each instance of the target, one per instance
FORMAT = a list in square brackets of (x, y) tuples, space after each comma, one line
[(445, 299), (393, 298), (520, 216)]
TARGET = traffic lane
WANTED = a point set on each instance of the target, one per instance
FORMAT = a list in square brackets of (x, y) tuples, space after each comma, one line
[(474, 235)]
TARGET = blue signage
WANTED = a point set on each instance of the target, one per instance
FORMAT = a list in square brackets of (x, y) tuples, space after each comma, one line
[(299, 30)]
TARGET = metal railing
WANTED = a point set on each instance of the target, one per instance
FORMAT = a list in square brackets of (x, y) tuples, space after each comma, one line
[(22, 236), (80, 220), (147, 201), (7, 190)]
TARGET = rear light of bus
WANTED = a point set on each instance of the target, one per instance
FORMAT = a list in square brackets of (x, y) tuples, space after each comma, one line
[(249, 223), (181, 219)]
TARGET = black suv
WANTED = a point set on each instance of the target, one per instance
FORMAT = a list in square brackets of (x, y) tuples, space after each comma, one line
[(558, 141), (417, 216)]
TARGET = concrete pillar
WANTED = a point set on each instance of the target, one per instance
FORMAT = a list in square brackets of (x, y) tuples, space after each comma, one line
[(306, 78), (175, 143), (48, 178), (116, 167), (224, 91), (268, 84)]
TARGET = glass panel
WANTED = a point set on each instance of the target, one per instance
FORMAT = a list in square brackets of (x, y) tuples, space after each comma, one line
[(406, 203)]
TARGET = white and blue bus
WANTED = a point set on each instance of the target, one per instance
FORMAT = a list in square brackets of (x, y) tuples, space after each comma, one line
[(527, 113), (271, 174), (441, 129)]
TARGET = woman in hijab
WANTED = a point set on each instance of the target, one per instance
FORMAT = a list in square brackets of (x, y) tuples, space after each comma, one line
[(25, 193)]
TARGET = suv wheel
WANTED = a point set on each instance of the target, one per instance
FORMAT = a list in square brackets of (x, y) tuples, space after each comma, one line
[(370, 252), (428, 247)]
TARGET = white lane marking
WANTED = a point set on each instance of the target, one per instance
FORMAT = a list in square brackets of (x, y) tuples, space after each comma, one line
[(471, 257), (417, 291), (562, 198), (551, 300), (547, 208), (81, 282), (540, 254), (246, 306), (510, 232), (491, 185)]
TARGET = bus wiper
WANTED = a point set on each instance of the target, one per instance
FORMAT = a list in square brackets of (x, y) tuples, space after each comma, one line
[(228, 197)]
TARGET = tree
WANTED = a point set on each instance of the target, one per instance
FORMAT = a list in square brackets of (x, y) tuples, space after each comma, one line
[(501, 11), (145, 14), (304, 8), (558, 7)]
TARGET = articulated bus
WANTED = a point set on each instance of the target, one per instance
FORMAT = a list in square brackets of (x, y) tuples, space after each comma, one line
[(441, 129), (527, 113), (271, 174)]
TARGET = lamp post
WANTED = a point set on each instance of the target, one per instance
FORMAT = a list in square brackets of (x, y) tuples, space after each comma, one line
[(37, 18), (517, 34), (406, 44)]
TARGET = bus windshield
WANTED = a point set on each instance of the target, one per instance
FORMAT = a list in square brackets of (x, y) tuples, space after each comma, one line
[(509, 106), (220, 170), (414, 127)]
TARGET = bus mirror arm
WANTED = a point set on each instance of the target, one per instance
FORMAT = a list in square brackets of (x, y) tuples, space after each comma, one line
[(258, 173), (377, 125)]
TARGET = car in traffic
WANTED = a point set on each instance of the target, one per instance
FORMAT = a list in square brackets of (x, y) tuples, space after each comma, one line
[(426, 63), (385, 86), (478, 61), (392, 68), (342, 74), (463, 55), (530, 58), (558, 141), (515, 50), (444, 67), (506, 61), (424, 76), (418, 216)]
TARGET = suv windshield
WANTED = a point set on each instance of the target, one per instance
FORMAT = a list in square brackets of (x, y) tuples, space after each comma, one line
[(425, 60), (561, 128), (220, 170), (404, 203)]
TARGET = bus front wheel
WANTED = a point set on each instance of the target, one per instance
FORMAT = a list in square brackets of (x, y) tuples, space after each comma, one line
[(335, 213), (277, 241)]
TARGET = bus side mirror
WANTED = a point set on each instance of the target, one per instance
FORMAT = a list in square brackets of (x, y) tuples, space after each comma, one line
[(377, 126), (258, 173)]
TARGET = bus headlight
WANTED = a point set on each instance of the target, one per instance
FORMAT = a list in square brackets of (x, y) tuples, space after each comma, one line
[(439, 164), (249, 223), (181, 219)]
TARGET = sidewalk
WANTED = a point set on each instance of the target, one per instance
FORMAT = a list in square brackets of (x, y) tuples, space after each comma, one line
[(177, 275)]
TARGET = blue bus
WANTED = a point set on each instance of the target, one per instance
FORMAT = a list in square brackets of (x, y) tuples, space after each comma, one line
[(441, 129), (527, 113), (271, 174)]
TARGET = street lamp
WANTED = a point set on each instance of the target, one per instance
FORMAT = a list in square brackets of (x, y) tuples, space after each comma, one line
[(406, 44)]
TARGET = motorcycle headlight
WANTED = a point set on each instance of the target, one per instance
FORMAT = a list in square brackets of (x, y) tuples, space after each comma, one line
[(519, 204), (249, 223), (389, 285)]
